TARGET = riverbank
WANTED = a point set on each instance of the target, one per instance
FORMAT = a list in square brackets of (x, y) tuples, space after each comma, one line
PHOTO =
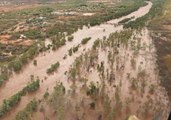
[(161, 34)]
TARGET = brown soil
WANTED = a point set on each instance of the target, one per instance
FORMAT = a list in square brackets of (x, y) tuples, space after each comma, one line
[(5, 39), (16, 7), (163, 49)]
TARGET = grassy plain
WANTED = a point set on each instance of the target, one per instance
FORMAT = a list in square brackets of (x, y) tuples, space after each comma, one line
[(161, 27)]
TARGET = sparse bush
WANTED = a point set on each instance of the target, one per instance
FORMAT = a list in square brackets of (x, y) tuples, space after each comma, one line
[(35, 62), (46, 94), (53, 68), (3, 77), (85, 40), (96, 44), (70, 38), (33, 34), (152, 89), (58, 101), (93, 90), (57, 43), (33, 86), (28, 111), (92, 105), (134, 84), (75, 49), (16, 65), (15, 99), (72, 73), (70, 52)]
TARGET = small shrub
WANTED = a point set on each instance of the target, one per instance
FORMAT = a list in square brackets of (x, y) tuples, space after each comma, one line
[(46, 94), (35, 62), (70, 52), (152, 89), (75, 49), (53, 68), (85, 40), (70, 38), (28, 111)]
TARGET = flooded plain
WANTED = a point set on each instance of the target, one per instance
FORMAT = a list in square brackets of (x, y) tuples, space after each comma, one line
[(129, 64)]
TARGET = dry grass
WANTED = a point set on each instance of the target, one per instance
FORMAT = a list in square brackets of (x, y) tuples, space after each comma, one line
[(160, 20), (5, 39), (17, 7), (167, 60)]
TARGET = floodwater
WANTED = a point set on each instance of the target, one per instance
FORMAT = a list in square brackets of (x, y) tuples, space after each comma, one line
[(45, 60), (139, 13), (125, 71)]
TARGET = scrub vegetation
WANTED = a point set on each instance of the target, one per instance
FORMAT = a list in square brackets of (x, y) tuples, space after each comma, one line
[(160, 27), (87, 59)]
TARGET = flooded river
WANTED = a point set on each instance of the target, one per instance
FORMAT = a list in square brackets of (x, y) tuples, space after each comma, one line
[(45, 60)]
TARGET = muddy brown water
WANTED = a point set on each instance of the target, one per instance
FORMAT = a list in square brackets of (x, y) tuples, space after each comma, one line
[(44, 61)]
